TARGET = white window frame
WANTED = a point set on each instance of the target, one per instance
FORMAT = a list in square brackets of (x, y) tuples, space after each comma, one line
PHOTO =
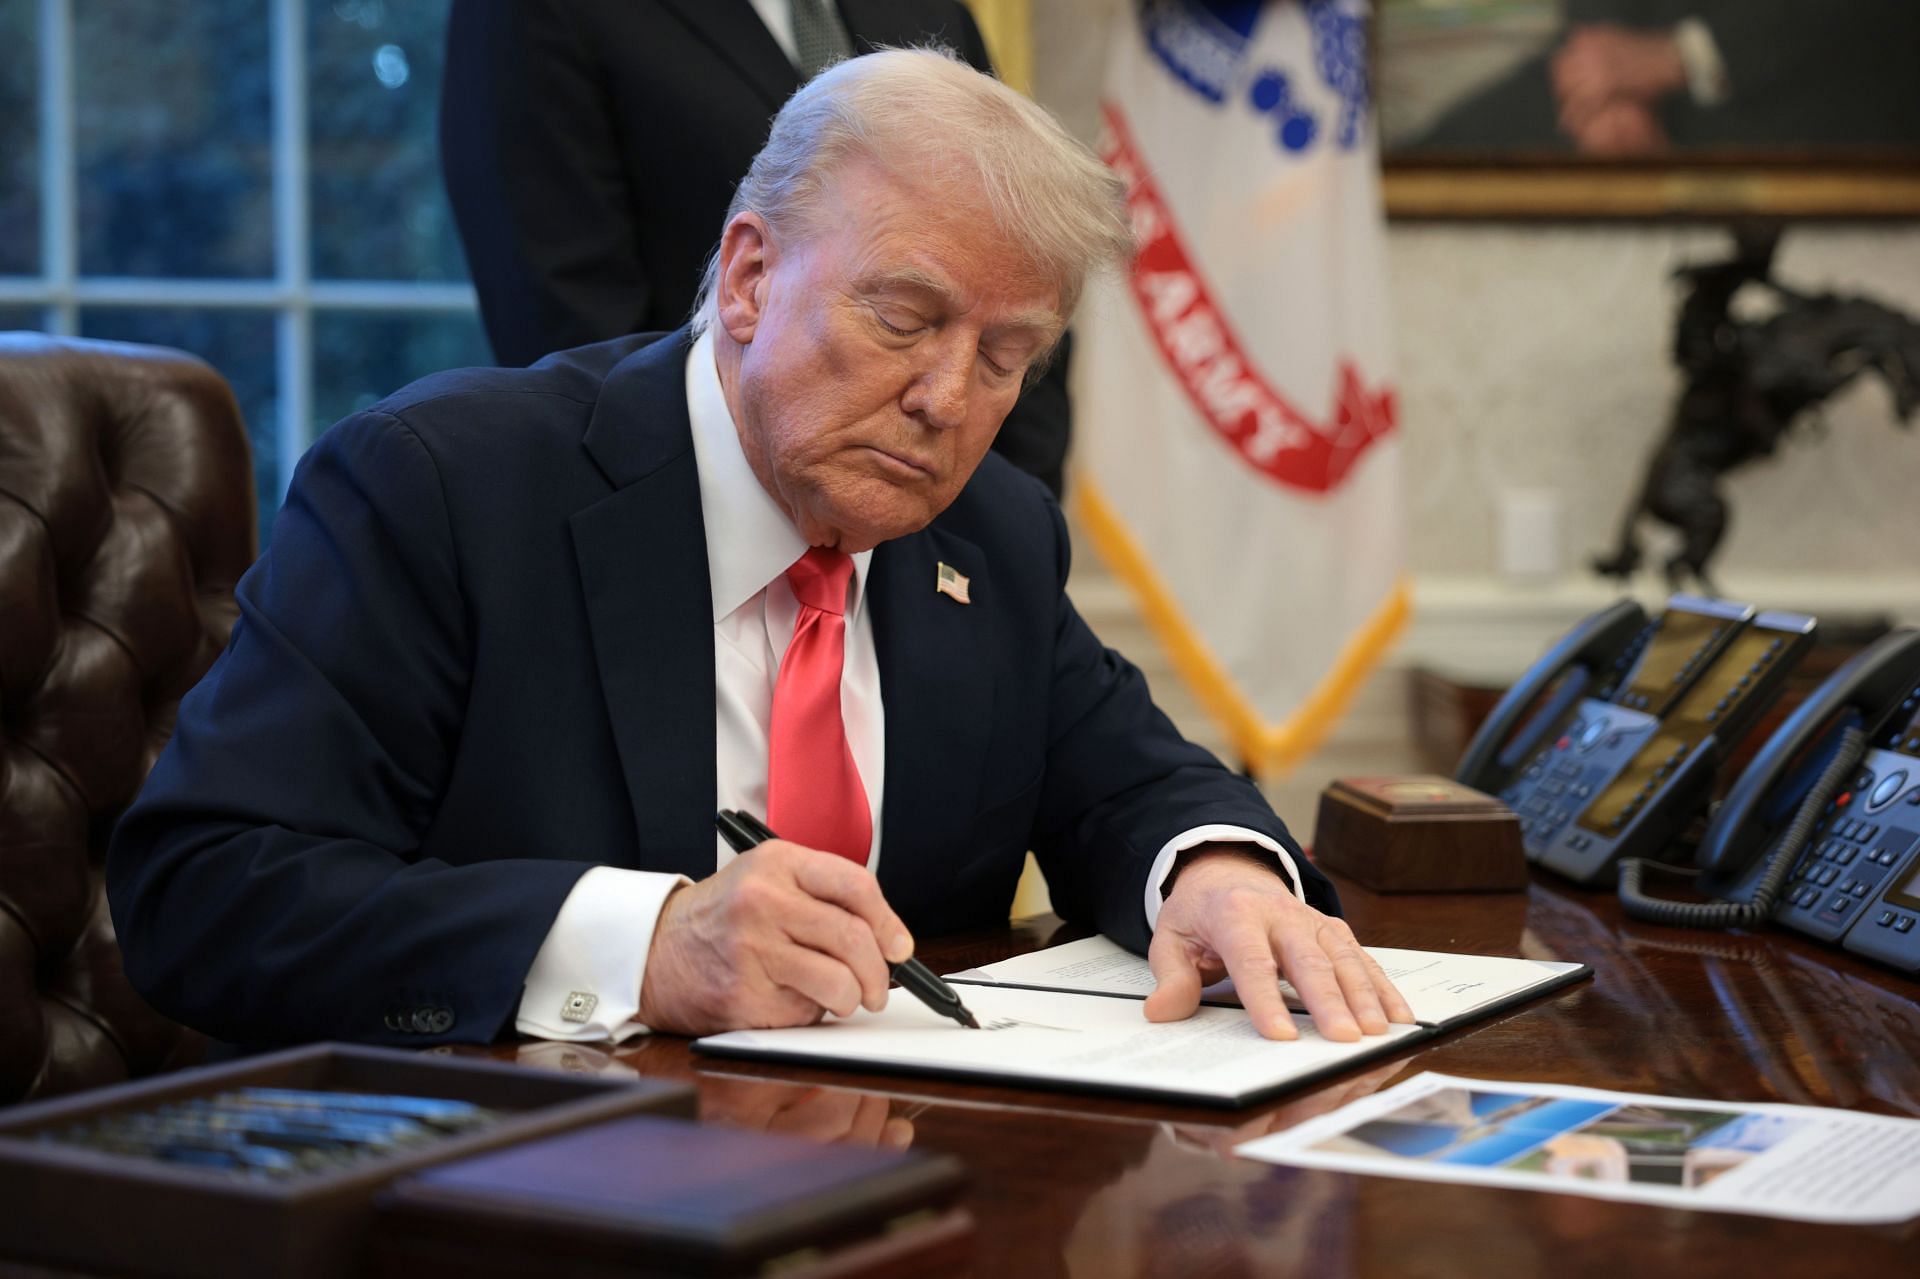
[(291, 296)]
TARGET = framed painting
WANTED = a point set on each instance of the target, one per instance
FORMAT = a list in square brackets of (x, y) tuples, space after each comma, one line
[(1650, 108)]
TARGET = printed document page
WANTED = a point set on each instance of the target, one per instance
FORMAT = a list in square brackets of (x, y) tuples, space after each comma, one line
[(1804, 1162), (1070, 1041), (1439, 987)]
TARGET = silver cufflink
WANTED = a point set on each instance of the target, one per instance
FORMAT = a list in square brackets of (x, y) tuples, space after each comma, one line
[(579, 1006)]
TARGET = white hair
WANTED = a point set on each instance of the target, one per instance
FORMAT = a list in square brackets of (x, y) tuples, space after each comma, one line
[(926, 115)]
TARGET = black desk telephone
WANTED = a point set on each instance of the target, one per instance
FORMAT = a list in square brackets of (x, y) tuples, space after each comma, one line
[(1823, 829), (1626, 721), (1633, 719)]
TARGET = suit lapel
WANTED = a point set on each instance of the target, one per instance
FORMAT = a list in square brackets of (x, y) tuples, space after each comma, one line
[(643, 570), (936, 680), (736, 33)]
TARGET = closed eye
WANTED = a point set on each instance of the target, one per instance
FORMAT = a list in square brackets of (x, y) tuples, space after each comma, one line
[(906, 330)]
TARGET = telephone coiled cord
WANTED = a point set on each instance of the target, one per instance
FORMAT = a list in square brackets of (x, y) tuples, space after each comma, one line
[(1658, 910)]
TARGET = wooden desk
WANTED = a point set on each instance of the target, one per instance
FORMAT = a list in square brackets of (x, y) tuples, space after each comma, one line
[(1096, 1187)]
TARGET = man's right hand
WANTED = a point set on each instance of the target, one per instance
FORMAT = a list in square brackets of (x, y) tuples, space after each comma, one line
[(780, 936)]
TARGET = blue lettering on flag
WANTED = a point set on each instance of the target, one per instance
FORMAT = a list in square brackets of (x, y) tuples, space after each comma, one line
[(1340, 55), (1202, 42)]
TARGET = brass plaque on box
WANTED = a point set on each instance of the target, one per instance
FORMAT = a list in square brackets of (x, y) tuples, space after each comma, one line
[(1419, 834)]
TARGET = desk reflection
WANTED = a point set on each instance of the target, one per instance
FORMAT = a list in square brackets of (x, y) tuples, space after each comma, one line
[(799, 1110)]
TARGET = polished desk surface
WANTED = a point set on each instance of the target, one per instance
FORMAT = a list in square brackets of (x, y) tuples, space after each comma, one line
[(1089, 1186)]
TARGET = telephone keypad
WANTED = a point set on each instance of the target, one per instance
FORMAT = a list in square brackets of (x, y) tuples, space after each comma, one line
[(1846, 863)]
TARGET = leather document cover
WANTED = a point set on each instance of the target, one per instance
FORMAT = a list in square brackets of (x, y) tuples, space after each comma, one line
[(665, 1197)]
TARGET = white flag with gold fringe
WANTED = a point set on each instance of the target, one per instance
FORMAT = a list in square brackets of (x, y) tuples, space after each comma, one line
[(1237, 463)]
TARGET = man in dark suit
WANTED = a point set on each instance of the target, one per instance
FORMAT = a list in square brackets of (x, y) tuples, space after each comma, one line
[(591, 148), (520, 632)]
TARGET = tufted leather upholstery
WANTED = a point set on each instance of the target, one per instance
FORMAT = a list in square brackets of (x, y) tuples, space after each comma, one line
[(126, 517)]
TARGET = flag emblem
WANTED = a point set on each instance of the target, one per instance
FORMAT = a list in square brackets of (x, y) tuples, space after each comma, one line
[(950, 582)]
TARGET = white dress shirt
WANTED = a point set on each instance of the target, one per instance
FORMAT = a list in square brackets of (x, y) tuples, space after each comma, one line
[(585, 981)]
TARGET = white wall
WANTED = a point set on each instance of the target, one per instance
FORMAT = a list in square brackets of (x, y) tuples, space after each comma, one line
[(1537, 357)]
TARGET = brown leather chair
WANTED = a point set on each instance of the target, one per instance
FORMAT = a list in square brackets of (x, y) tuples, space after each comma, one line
[(126, 516)]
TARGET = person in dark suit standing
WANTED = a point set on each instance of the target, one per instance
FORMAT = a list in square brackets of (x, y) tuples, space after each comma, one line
[(521, 632), (590, 148)]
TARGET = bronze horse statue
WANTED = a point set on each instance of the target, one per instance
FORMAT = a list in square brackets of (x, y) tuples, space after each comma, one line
[(1746, 384)]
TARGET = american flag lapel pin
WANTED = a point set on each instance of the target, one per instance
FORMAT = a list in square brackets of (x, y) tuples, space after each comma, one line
[(950, 582)]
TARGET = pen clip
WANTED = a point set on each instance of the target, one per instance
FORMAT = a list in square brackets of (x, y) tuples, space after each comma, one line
[(755, 827), (738, 835)]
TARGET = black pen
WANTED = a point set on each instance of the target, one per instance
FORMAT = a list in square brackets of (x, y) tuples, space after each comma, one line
[(742, 830)]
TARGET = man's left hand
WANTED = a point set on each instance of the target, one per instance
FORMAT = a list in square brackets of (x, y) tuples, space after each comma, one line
[(1230, 915)]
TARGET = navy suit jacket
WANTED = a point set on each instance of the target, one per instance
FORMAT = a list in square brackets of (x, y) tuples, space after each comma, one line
[(478, 659)]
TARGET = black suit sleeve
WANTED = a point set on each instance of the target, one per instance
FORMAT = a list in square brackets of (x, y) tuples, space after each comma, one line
[(267, 885), (534, 168), (1121, 782)]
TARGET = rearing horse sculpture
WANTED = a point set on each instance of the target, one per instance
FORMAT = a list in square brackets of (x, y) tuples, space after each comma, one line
[(1746, 383)]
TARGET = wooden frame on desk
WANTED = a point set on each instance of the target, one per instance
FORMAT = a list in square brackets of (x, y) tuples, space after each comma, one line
[(95, 1210)]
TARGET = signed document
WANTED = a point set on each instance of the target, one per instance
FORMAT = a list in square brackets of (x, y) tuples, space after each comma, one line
[(1442, 989), (1073, 1041)]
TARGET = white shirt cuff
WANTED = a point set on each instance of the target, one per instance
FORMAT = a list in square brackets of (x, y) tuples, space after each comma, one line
[(585, 982), (1163, 862), (1707, 82)]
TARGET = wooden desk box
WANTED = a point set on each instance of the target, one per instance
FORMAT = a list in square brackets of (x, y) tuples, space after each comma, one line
[(98, 1211), (659, 1198), (1420, 834)]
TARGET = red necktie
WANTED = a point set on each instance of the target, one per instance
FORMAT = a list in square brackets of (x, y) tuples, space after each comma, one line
[(814, 795)]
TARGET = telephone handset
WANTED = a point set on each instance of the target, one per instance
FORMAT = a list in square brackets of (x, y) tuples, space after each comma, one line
[(1622, 764), (1583, 660), (1855, 856)]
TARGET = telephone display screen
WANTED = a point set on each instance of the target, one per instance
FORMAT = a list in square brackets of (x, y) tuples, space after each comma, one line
[(1642, 772), (1680, 642), (1703, 708), (1907, 892)]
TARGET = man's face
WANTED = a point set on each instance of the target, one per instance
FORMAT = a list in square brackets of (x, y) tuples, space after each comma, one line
[(878, 355)]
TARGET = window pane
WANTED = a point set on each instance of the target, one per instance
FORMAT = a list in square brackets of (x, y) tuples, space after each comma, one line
[(19, 141), (13, 318), (240, 344), (362, 357), (379, 210), (173, 122)]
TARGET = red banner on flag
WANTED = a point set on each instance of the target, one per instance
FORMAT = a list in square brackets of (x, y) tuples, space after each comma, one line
[(1198, 344)]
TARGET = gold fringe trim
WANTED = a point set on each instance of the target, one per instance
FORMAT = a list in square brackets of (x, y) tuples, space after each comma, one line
[(1261, 746)]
